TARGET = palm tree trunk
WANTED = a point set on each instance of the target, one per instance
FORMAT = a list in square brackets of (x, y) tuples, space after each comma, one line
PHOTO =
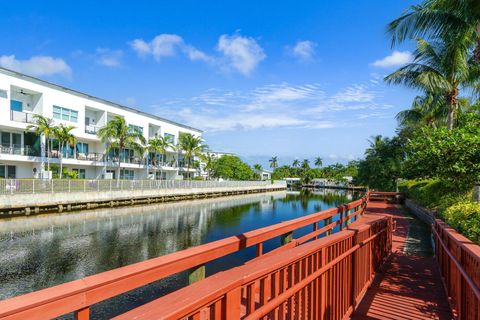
[(119, 164), (60, 157), (49, 149), (476, 53), (452, 106)]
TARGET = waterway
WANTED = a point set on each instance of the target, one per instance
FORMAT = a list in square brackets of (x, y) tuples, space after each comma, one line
[(42, 251)]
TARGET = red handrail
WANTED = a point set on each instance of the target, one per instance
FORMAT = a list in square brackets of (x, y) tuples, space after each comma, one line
[(77, 296), (459, 262), (322, 279)]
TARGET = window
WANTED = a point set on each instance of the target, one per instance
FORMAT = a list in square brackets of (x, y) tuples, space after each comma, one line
[(80, 173), (134, 128), (16, 105), (9, 172), (126, 174), (11, 139), (82, 147), (66, 114), (170, 136)]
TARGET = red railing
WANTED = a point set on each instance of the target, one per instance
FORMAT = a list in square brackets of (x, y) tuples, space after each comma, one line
[(323, 279), (459, 262), (77, 296)]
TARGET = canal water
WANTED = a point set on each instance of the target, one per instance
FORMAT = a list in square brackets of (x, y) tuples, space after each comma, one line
[(42, 251)]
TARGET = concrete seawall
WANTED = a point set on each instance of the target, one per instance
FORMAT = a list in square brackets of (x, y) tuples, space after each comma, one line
[(422, 213), (26, 204)]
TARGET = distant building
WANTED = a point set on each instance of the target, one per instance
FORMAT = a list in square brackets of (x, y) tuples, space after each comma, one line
[(266, 174)]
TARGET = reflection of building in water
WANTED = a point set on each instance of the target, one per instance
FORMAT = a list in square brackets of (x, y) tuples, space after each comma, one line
[(56, 248)]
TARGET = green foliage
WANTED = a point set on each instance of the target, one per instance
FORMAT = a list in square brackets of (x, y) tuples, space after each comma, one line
[(232, 168), (382, 165), (465, 218), (451, 155), (434, 194), (302, 170)]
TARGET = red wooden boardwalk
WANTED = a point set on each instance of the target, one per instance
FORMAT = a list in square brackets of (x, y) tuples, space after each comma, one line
[(411, 285)]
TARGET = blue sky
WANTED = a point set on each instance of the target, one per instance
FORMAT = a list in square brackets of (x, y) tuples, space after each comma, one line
[(286, 78)]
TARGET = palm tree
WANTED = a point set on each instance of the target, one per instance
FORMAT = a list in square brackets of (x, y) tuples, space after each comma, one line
[(209, 161), (295, 163), (118, 137), (305, 164), (43, 126), (258, 170), (439, 67), (439, 19), (65, 138), (318, 162), (273, 163), (192, 146), (427, 110), (159, 146)]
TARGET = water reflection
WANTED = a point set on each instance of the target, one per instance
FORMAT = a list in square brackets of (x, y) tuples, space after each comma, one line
[(38, 252)]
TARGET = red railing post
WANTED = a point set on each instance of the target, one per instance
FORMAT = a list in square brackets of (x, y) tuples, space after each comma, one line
[(232, 304), (82, 314)]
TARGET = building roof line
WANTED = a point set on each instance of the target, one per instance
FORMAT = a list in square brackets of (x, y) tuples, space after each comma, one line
[(87, 96)]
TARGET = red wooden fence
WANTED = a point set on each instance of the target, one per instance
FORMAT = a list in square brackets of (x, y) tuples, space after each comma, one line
[(459, 262), (323, 279), (77, 296)]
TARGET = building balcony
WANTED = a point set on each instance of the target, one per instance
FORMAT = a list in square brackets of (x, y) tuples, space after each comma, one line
[(20, 116), (92, 129), (19, 150)]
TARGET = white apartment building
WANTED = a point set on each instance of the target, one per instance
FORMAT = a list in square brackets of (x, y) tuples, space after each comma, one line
[(22, 152)]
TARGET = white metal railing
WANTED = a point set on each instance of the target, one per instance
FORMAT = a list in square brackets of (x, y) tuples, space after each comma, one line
[(30, 186)]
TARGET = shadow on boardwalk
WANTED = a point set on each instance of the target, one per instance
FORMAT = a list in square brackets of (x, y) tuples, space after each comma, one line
[(411, 286)]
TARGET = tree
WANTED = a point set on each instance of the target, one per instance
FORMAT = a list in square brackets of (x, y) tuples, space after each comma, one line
[(192, 146), (43, 126), (273, 163), (258, 170), (232, 168), (318, 162), (382, 165), (427, 110), (450, 155), (439, 19), (118, 136), (439, 67), (159, 146), (208, 160), (305, 165), (65, 138), (296, 163)]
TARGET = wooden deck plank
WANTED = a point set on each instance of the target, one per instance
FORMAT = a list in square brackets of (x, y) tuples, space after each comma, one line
[(410, 287)]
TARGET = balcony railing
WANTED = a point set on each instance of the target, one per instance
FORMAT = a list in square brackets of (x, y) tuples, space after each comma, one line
[(92, 129), (17, 149), (20, 116)]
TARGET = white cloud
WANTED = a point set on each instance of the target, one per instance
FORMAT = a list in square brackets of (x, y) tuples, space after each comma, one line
[(396, 59), (242, 54), (238, 53), (167, 45), (37, 65), (109, 58), (304, 50), (355, 93), (283, 105)]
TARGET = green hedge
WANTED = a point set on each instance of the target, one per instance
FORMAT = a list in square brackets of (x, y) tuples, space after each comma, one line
[(433, 193), (465, 218)]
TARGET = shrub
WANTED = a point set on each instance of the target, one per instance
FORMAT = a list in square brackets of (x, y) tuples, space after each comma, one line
[(465, 218), (434, 194)]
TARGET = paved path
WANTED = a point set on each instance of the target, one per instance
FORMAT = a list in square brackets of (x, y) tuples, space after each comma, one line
[(411, 286)]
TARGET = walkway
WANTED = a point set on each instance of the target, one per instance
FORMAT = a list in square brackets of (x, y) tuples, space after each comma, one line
[(411, 287)]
